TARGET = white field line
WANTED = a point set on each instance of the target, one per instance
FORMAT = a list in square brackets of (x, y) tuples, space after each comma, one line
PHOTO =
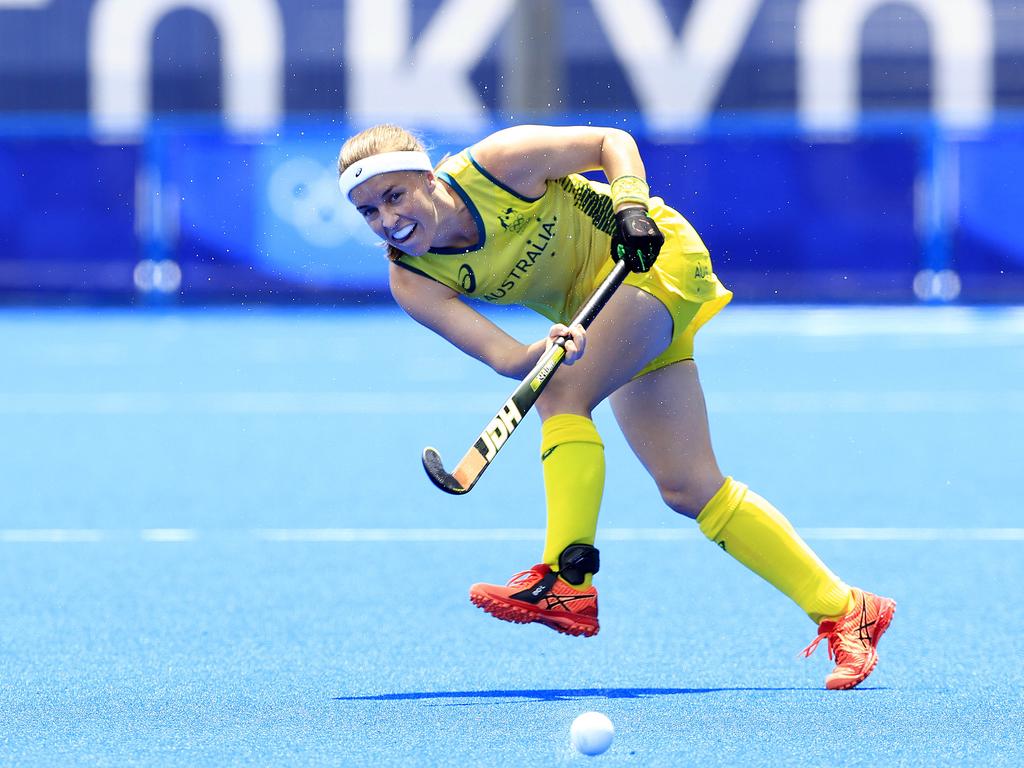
[(398, 403), (285, 403), (455, 535), (168, 534), (399, 534), (913, 534), (50, 535), (623, 534), (964, 402)]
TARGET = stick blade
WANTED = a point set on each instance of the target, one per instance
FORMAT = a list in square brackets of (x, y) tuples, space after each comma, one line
[(438, 475)]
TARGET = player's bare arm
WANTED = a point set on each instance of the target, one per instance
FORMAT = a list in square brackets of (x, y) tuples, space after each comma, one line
[(440, 309), (525, 157)]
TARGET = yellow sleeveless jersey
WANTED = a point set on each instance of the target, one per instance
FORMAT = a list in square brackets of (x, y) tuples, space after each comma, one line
[(549, 253)]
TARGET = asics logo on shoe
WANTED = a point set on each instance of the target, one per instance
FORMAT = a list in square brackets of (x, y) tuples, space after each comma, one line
[(556, 601), (864, 630)]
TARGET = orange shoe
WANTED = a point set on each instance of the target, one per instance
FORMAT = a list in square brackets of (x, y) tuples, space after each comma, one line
[(853, 639), (539, 595)]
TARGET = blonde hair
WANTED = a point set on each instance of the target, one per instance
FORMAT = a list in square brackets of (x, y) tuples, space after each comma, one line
[(373, 141)]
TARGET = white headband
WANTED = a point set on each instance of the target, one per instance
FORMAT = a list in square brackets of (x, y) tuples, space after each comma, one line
[(385, 162)]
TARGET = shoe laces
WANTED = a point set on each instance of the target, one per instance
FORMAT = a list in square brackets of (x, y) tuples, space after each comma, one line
[(525, 577), (841, 641), (825, 630)]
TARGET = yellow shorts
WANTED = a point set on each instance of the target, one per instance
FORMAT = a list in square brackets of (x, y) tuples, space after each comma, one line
[(682, 279)]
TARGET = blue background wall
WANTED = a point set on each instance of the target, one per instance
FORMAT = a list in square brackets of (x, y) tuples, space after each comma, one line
[(899, 206)]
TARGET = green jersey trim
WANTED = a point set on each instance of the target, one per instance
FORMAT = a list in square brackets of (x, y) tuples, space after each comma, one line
[(483, 172)]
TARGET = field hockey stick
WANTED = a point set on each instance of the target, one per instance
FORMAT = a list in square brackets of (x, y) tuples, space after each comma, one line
[(509, 416)]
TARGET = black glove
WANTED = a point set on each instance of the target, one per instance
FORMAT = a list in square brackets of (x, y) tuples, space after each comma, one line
[(636, 240)]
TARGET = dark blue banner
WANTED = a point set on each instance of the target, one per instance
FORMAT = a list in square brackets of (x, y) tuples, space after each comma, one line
[(67, 218), (200, 216)]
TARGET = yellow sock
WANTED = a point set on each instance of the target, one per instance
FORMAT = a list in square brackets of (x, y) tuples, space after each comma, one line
[(573, 459), (755, 533)]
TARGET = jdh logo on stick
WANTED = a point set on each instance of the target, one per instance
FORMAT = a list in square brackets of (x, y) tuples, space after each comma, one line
[(497, 432)]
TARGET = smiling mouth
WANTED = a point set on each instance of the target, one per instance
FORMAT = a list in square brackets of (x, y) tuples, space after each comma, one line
[(401, 235)]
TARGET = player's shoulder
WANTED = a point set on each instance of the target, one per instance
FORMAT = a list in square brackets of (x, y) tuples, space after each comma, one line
[(501, 158)]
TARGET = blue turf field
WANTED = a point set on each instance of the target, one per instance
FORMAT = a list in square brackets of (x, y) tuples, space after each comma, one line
[(217, 547)]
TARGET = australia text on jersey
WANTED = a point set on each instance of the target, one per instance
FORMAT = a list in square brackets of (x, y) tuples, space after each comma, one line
[(537, 247)]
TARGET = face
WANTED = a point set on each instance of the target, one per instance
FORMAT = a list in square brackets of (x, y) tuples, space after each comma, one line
[(399, 209)]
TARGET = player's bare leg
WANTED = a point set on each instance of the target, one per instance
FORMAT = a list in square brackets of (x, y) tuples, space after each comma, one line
[(664, 417)]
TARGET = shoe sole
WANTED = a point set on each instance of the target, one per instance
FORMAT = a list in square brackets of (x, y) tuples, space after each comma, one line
[(882, 623), (517, 613)]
